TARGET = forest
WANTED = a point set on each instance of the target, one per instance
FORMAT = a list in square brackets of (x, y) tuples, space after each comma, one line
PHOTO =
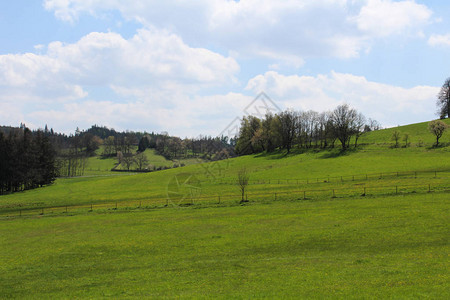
[(27, 160)]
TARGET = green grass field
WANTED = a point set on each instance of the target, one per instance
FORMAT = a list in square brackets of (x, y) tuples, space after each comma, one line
[(378, 247), (307, 231)]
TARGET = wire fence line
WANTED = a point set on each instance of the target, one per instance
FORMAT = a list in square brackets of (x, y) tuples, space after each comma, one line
[(305, 194), (345, 178)]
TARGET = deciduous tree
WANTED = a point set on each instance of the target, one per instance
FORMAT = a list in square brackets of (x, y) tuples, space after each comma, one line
[(437, 128), (443, 101)]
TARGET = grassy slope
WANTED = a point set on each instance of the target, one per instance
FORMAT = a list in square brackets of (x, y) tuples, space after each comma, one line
[(371, 159), (378, 246), (417, 132)]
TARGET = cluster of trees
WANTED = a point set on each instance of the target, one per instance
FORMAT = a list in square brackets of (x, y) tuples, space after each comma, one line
[(27, 160), (302, 129), (174, 147)]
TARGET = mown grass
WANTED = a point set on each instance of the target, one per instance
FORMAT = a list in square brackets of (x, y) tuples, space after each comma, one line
[(382, 247), (391, 243)]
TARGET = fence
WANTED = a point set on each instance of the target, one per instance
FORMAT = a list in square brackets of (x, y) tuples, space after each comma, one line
[(218, 199), (345, 178)]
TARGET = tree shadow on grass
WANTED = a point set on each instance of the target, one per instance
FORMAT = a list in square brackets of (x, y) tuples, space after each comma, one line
[(280, 154), (337, 153), (441, 145)]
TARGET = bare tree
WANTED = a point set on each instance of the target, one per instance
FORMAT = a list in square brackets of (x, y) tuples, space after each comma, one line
[(243, 179), (437, 128), (395, 137), (358, 127), (141, 160), (128, 161), (443, 101), (406, 139)]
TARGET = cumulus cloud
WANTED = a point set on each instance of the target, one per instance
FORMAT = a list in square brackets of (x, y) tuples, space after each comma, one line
[(153, 75), (286, 31), (150, 59), (439, 40), (386, 17), (389, 104)]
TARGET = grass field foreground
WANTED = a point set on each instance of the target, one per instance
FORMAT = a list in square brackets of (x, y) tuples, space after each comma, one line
[(382, 247)]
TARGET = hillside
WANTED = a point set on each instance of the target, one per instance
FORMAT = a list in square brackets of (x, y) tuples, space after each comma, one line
[(365, 223), (268, 170)]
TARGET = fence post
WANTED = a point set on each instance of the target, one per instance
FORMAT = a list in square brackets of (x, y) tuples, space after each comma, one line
[(116, 204), (364, 191), (429, 188), (304, 195), (334, 195), (353, 178), (66, 208), (91, 206), (219, 199)]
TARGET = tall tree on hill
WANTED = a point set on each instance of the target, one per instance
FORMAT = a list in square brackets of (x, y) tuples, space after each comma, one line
[(249, 126), (358, 128), (288, 125), (343, 118), (443, 101), (437, 128)]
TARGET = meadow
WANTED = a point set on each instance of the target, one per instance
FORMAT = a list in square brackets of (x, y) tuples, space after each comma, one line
[(378, 247), (366, 223)]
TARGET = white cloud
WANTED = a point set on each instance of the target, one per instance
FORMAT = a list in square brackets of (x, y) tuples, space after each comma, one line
[(439, 40), (34, 77), (150, 59), (287, 31), (386, 103), (154, 74), (386, 17)]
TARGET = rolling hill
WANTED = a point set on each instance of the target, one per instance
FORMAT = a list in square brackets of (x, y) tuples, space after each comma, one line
[(364, 223)]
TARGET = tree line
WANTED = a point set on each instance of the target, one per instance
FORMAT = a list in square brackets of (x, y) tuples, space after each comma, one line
[(206, 147), (27, 160), (303, 130)]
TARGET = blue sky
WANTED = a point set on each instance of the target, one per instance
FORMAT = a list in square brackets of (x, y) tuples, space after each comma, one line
[(191, 67)]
